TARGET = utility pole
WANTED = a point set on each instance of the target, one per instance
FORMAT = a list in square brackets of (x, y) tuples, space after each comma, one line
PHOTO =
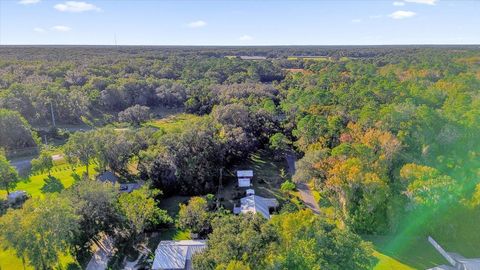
[(220, 187), (53, 116)]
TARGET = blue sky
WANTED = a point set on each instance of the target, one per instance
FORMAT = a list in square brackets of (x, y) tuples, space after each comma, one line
[(241, 22)]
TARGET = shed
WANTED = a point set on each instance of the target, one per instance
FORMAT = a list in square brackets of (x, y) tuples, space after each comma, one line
[(250, 191), (244, 182), (107, 176), (245, 174), (16, 196), (171, 255)]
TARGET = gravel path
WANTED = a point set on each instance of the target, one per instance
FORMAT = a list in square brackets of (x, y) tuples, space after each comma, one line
[(303, 189)]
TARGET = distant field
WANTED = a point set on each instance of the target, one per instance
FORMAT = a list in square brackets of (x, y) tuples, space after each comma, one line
[(314, 58)]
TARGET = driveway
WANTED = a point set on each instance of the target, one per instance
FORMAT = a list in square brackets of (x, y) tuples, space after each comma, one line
[(99, 260), (304, 190)]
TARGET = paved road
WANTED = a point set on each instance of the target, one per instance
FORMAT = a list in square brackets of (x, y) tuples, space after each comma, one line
[(303, 189)]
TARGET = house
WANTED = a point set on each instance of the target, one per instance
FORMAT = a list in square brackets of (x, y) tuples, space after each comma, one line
[(107, 176), (171, 255), (456, 261), (245, 178), (256, 204)]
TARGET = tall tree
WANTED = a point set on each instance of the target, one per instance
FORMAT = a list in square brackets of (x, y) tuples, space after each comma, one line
[(140, 210), (194, 215), (40, 231), (8, 174), (44, 162), (80, 148)]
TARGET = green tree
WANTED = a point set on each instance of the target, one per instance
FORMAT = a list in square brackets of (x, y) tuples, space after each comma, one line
[(306, 242), (96, 205), (426, 186), (80, 148), (44, 162), (279, 143), (194, 216), (40, 231), (15, 131), (140, 210), (8, 174)]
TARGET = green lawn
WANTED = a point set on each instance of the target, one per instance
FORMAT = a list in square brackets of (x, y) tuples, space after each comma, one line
[(33, 185), (174, 123)]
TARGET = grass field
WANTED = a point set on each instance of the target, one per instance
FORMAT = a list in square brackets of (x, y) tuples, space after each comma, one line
[(174, 123), (34, 184)]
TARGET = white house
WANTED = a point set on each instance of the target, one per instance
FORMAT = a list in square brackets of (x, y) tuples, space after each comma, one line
[(256, 204), (245, 178), (172, 255)]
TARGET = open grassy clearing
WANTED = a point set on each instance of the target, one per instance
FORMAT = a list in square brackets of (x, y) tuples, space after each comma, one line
[(174, 123), (63, 173)]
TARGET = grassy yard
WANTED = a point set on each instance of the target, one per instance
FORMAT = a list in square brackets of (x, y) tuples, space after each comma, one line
[(34, 184), (174, 123)]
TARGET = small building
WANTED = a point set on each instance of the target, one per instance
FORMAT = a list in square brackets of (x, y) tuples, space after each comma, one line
[(250, 191), (107, 176), (17, 197), (129, 187), (244, 178), (456, 261), (256, 204), (172, 255)]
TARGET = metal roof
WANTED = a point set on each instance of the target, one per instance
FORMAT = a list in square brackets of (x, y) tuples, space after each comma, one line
[(175, 254), (244, 173), (257, 204)]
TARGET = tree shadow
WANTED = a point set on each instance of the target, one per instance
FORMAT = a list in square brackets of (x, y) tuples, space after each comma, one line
[(52, 185)]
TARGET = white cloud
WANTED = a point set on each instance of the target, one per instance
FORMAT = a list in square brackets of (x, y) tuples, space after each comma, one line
[(246, 38), (61, 28), (425, 2), (39, 30), (75, 6), (401, 14), (356, 20), (28, 2), (398, 4), (197, 24)]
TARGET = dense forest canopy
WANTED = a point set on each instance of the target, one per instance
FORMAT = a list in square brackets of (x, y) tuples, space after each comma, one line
[(386, 135)]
